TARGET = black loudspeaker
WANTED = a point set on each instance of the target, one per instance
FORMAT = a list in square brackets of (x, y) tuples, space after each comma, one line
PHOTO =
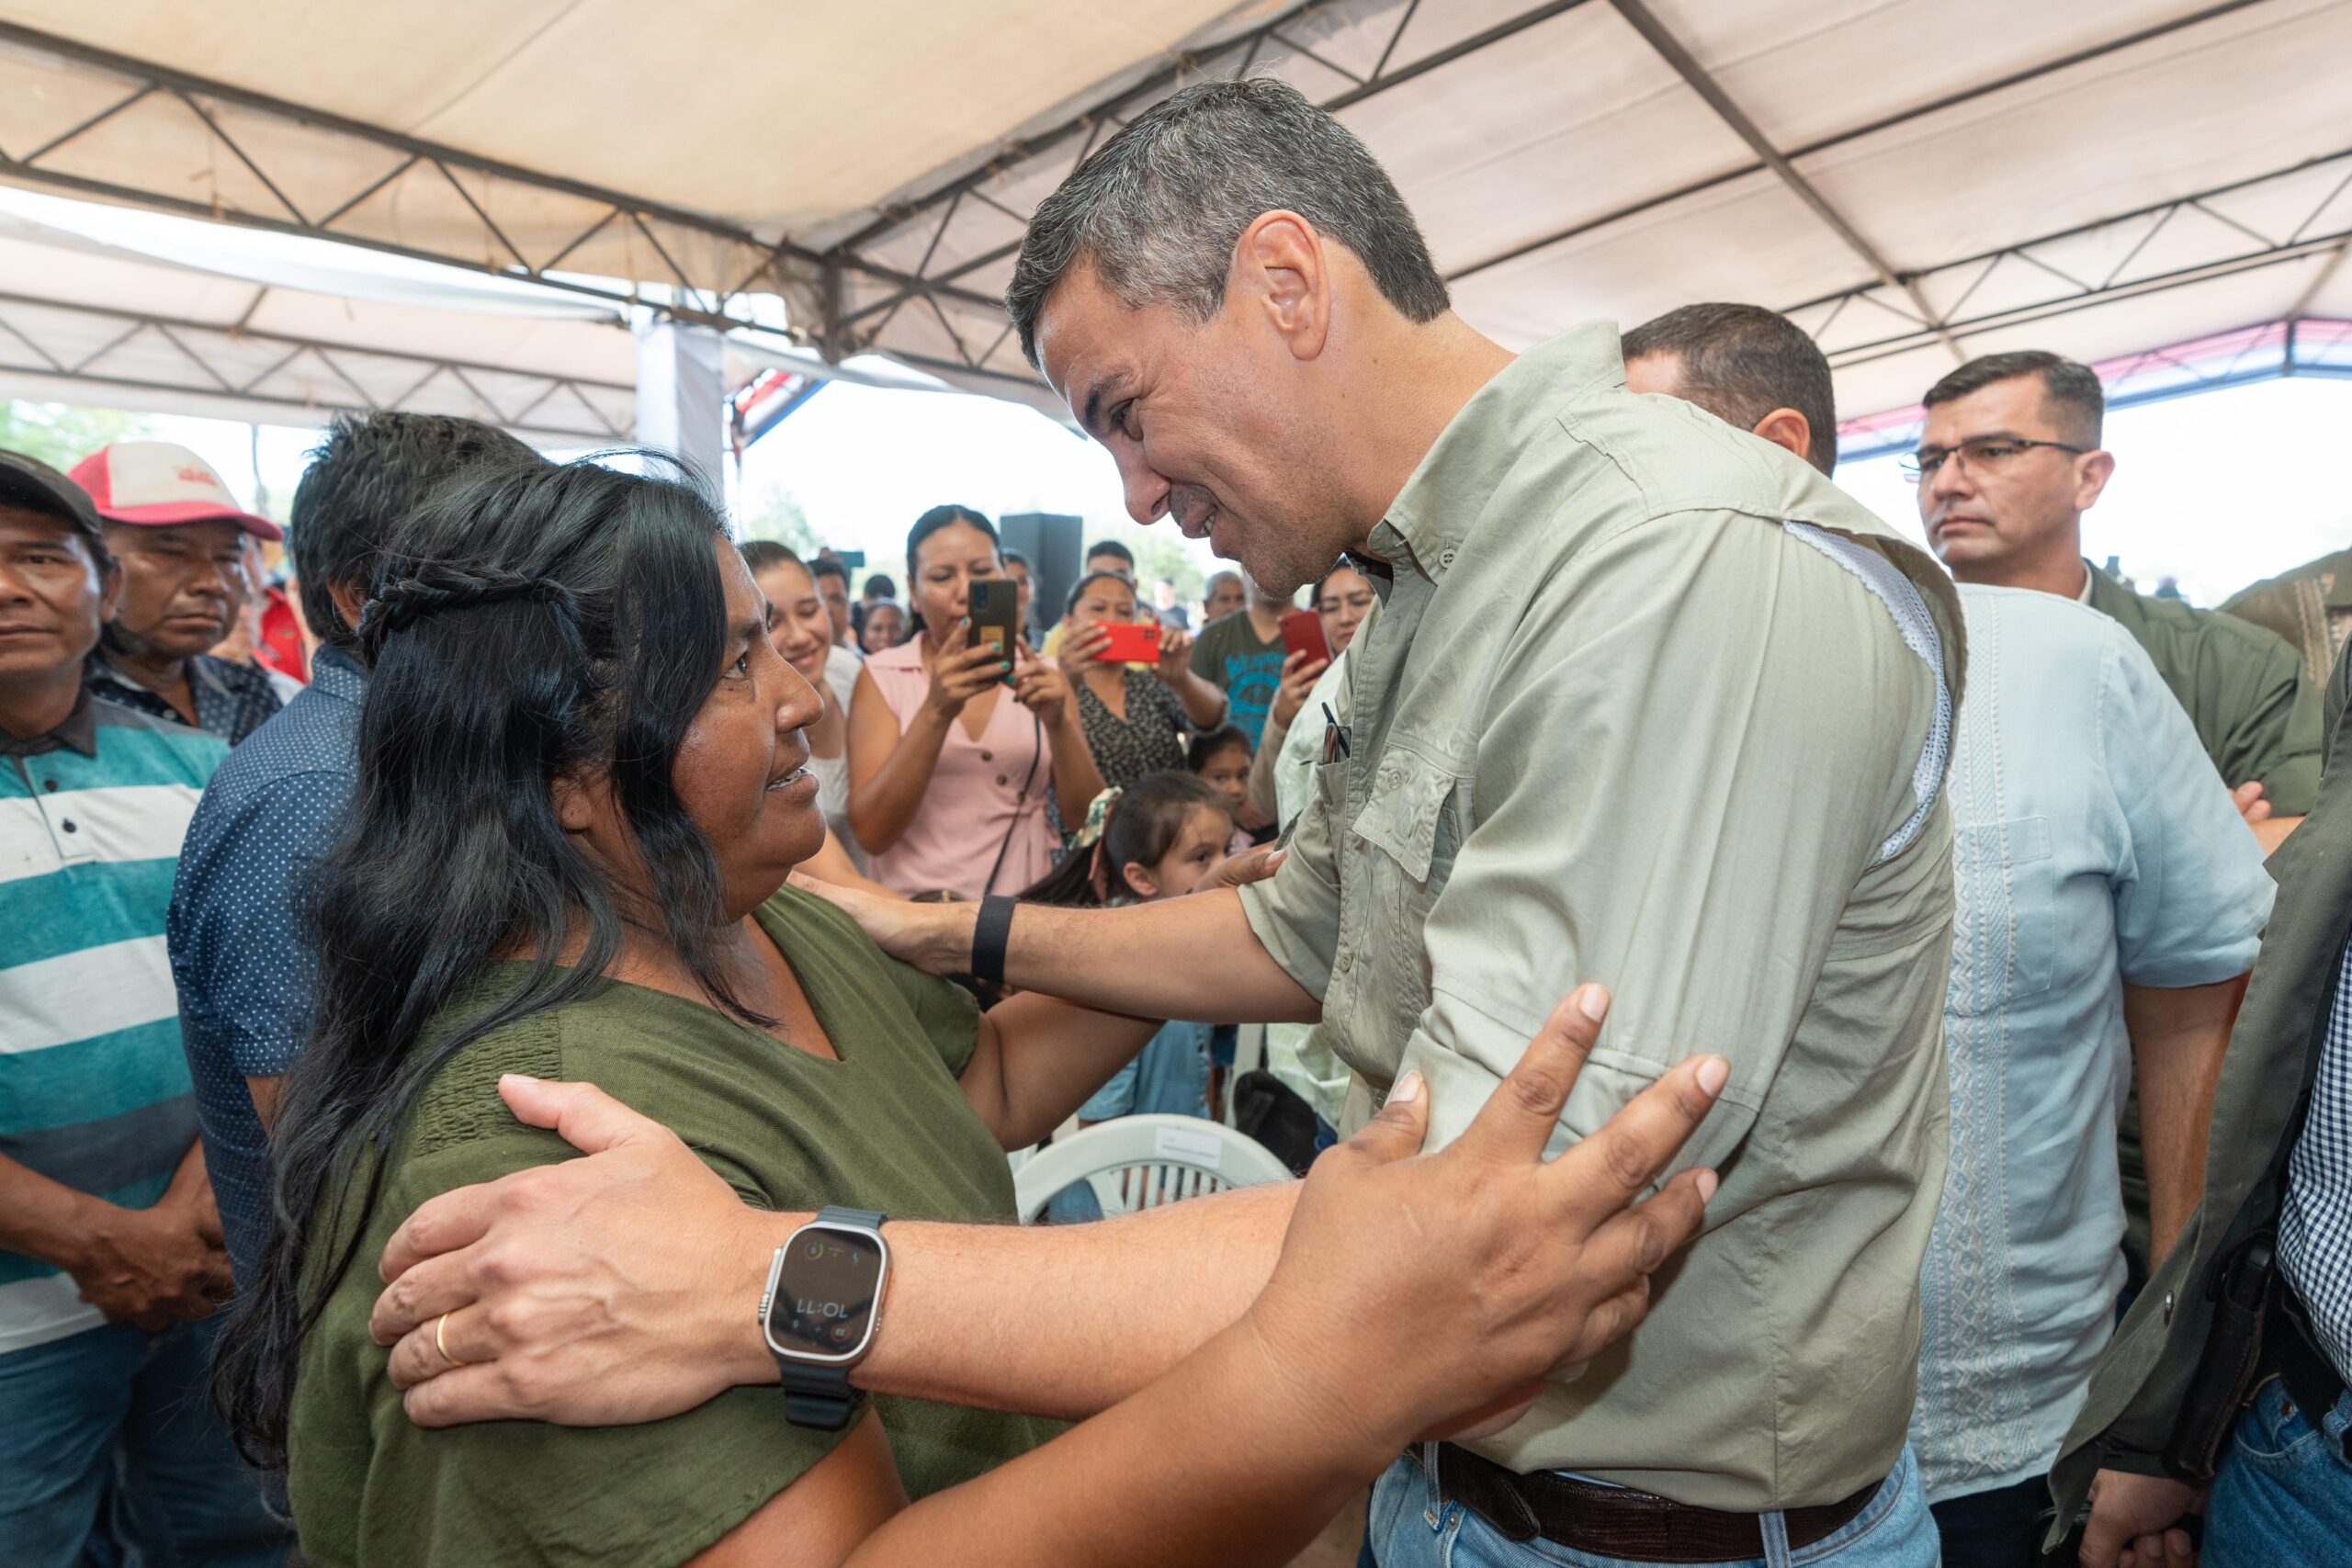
[(1052, 541)]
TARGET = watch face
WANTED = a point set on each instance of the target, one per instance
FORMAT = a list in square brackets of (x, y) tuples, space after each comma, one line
[(825, 1291)]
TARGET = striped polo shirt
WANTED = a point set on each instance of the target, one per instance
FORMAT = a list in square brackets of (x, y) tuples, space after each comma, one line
[(94, 1087)]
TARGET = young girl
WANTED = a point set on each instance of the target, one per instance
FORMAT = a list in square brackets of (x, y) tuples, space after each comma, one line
[(1221, 759), (1156, 838)]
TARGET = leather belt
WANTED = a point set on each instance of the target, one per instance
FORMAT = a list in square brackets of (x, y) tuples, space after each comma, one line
[(1616, 1521)]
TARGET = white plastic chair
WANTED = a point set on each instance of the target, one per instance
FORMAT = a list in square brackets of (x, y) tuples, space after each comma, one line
[(1139, 1162)]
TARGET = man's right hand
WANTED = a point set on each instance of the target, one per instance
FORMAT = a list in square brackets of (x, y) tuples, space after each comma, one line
[(153, 1268), (934, 938)]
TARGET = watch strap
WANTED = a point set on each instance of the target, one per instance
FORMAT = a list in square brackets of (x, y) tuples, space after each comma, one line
[(991, 935), (821, 1396)]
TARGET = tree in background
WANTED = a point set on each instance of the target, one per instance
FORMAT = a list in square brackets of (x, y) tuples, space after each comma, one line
[(776, 514), (62, 436)]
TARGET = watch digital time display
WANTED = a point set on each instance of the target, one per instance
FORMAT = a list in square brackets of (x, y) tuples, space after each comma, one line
[(826, 1287)]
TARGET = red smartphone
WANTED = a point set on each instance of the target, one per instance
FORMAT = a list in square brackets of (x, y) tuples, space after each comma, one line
[(1303, 633), (1129, 643)]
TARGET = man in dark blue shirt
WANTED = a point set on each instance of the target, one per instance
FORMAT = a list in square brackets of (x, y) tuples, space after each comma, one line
[(238, 940)]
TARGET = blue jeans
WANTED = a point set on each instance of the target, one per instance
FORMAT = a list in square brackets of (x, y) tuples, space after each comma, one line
[(2284, 1491), (113, 1404), (1411, 1526)]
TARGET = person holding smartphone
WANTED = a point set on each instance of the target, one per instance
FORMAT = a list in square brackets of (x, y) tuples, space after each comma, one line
[(950, 767), (1136, 715)]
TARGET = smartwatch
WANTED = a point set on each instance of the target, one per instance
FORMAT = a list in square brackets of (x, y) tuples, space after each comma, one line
[(821, 1307)]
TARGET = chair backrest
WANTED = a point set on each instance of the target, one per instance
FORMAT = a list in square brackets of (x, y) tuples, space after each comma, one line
[(1144, 1161)]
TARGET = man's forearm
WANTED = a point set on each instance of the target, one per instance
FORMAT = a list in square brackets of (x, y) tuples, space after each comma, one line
[(1193, 958), (2179, 1036), (1076, 1318), (38, 1217), (1049, 1320)]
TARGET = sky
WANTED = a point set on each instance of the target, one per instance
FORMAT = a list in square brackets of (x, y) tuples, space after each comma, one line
[(2217, 490)]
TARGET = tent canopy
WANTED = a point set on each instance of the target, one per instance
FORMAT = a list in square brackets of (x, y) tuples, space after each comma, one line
[(1914, 181)]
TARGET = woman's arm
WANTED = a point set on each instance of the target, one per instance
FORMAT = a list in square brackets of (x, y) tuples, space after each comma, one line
[(1262, 810), (1044, 690), (890, 769), (1038, 1060), (1203, 704)]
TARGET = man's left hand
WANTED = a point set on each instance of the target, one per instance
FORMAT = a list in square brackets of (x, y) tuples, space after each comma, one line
[(596, 1291)]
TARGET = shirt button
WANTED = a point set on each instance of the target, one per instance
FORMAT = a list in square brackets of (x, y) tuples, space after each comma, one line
[(1003, 779), (988, 756), (1445, 558), (50, 785), (69, 826), (1345, 962)]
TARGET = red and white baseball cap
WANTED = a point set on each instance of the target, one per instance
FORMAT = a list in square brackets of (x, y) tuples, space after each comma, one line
[(154, 484)]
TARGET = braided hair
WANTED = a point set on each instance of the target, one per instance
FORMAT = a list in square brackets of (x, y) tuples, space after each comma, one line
[(529, 624)]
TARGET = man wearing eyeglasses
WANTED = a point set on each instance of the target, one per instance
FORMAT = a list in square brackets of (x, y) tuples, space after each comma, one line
[(2008, 463)]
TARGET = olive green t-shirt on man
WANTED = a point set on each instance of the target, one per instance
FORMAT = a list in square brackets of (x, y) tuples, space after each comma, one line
[(885, 1127)]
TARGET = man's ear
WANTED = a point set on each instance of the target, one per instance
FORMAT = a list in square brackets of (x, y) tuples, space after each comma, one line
[(1789, 429), (2092, 471), (1281, 272)]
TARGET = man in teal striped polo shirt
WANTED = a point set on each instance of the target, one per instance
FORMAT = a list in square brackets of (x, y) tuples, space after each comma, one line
[(110, 1255)]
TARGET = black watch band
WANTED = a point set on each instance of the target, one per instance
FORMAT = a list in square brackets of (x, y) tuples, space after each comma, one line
[(991, 934), (821, 1396)]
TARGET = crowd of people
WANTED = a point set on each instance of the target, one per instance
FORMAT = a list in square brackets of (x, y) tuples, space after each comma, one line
[(1879, 1017)]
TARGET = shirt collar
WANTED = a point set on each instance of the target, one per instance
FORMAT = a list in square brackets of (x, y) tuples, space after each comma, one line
[(339, 675), (79, 730), (1427, 521), (2090, 575)]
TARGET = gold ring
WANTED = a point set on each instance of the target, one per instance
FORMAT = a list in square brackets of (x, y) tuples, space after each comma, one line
[(438, 1324)]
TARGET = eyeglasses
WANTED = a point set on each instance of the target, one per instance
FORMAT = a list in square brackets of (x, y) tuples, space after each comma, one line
[(1984, 455)]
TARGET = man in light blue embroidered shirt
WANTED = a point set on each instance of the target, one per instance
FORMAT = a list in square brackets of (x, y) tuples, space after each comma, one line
[(2110, 901), (279, 802)]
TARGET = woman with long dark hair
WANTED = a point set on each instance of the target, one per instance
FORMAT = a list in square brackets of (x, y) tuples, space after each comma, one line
[(1136, 717), (951, 768), (582, 785)]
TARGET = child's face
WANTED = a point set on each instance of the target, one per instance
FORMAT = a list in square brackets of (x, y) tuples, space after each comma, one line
[(1227, 773), (1197, 850)]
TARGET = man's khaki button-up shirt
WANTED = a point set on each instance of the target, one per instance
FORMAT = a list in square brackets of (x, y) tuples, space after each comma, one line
[(1616, 721)]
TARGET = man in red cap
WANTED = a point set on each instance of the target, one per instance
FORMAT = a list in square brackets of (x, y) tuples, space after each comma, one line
[(176, 531)]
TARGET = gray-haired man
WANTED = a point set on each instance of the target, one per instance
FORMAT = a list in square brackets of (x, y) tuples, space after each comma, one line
[(1647, 702)]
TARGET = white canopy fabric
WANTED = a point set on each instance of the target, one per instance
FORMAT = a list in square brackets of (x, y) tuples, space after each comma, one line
[(1917, 181)]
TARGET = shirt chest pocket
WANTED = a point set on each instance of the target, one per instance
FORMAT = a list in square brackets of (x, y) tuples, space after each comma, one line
[(2005, 915), (1405, 838)]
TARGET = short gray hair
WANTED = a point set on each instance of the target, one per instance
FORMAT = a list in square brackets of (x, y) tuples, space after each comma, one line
[(1158, 208)]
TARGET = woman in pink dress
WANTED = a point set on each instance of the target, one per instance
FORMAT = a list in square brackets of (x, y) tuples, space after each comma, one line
[(950, 769)]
